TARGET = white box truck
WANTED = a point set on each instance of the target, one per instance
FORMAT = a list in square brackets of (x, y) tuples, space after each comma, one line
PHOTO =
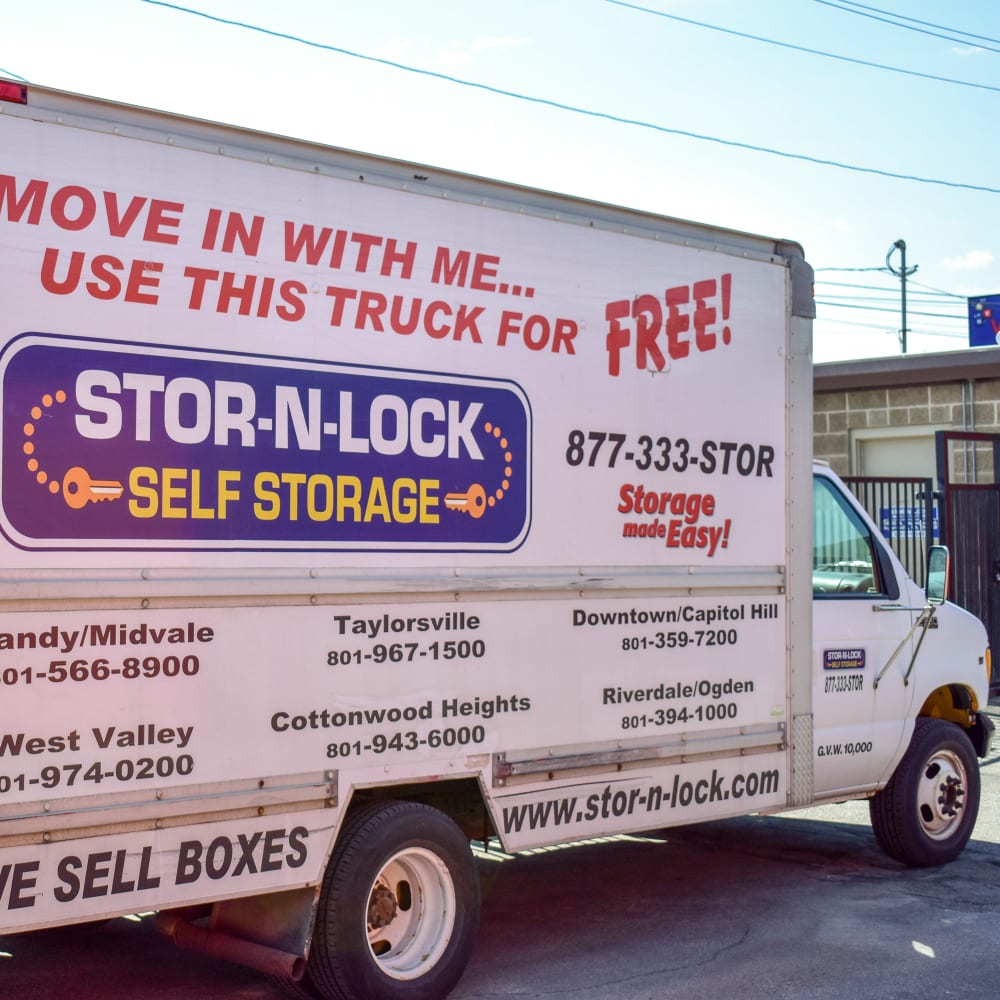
[(353, 512)]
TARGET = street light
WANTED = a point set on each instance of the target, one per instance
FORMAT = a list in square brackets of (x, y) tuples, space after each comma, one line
[(902, 273)]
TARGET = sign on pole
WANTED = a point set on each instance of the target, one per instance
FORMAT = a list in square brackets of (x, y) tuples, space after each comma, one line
[(984, 321)]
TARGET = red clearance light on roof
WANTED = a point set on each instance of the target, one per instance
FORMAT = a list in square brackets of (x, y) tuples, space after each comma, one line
[(13, 93)]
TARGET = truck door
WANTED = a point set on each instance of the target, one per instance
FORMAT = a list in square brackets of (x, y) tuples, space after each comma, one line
[(858, 726)]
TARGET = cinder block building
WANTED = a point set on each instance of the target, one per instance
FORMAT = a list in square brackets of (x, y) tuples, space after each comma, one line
[(918, 439), (879, 417)]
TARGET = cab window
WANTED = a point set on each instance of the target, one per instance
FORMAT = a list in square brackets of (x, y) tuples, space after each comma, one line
[(845, 557)]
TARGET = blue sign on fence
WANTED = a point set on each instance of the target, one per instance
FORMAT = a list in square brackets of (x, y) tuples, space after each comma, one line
[(907, 522)]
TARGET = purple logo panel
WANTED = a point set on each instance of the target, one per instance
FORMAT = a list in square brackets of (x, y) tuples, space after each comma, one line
[(116, 445)]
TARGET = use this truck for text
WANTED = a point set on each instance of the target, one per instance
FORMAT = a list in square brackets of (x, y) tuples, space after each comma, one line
[(354, 512)]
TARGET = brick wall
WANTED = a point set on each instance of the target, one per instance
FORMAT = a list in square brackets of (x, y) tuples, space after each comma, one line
[(939, 405)]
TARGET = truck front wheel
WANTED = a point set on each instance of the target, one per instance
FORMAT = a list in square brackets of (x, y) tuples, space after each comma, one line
[(399, 908), (925, 814)]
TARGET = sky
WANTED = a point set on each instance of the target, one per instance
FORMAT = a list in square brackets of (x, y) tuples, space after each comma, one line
[(845, 127)]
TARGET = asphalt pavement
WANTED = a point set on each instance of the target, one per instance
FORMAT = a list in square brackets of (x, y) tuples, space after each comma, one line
[(803, 906)]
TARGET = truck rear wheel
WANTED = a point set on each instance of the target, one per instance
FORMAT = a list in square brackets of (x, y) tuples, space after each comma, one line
[(399, 908), (926, 813)]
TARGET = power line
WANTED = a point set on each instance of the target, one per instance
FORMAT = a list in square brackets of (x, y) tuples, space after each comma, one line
[(884, 294), (876, 288), (887, 297), (603, 115), (940, 291), (818, 269), (842, 327), (880, 288), (851, 284), (907, 27), (878, 299), (883, 289), (844, 5), (802, 48), (886, 309), (13, 76)]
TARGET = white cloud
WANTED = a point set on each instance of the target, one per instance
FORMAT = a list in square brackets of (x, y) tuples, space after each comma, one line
[(503, 42), (971, 260), (458, 54), (462, 53)]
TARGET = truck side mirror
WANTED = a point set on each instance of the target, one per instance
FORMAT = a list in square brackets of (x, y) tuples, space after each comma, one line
[(938, 572)]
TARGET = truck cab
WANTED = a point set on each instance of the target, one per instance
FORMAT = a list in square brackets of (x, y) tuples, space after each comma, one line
[(890, 664)]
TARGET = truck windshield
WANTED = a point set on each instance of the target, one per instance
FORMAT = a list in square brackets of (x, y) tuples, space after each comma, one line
[(843, 554)]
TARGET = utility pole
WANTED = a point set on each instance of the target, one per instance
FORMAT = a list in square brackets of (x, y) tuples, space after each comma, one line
[(902, 274)]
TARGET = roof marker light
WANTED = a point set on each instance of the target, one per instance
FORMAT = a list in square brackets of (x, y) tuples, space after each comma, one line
[(13, 93)]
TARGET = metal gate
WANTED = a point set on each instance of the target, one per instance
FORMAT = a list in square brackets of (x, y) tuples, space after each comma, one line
[(905, 510), (968, 465)]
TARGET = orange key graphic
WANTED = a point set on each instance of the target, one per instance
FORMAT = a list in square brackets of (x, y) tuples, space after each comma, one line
[(472, 501), (78, 489)]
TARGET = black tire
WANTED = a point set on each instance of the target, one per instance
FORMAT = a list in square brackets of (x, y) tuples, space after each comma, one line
[(299, 990), (925, 815), (399, 908)]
